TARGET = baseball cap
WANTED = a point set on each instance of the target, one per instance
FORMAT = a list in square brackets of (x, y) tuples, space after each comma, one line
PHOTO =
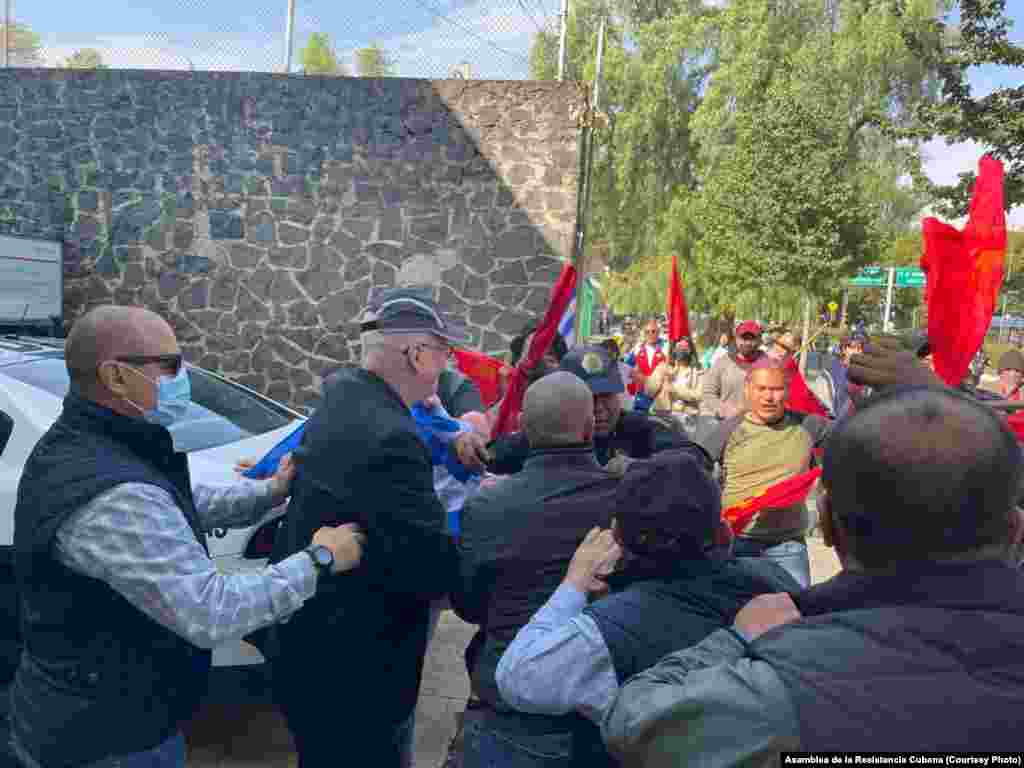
[(672, 494), (594, 365), (1011, 360), (748, 326), (411, 310)]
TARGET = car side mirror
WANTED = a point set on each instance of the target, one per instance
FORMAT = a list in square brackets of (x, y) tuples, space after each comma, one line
[(6, 428)]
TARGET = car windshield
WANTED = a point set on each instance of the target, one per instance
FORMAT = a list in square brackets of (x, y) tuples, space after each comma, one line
[(220, 412)]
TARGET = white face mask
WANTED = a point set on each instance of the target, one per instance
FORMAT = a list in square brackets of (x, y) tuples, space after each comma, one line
[(173, 397)]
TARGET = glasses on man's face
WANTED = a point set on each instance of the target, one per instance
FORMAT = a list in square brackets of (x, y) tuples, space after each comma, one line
[(447, 349), (168, 363)]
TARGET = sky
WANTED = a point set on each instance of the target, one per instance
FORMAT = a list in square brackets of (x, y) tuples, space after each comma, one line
[(427, 38)]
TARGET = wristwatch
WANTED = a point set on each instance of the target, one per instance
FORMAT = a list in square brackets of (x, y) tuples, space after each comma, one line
[(322, 557)]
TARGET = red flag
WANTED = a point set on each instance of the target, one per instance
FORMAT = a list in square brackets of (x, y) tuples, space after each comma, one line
[(483, 370), (964, 271), (678, 322), (801, 398), (1016, 422), (512, 404), (783, 494)]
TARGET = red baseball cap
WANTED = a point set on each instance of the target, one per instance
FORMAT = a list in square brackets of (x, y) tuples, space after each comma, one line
[(748, 326)]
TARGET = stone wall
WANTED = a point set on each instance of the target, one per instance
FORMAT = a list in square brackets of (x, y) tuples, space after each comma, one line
[(256, 212)]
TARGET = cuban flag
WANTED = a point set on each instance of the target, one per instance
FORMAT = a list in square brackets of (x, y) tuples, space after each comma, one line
[(567, 325)]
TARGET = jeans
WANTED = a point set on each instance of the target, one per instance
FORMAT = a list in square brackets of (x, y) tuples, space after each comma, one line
[(487, 745), (791, 555), (170, 754)]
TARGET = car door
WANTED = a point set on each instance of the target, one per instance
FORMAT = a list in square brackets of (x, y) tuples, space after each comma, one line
[(10, 632)]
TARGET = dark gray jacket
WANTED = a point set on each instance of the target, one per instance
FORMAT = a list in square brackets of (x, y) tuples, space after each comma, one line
[(925, 657)]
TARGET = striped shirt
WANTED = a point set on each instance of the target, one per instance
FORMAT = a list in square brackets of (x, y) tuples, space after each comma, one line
[(135, 538)]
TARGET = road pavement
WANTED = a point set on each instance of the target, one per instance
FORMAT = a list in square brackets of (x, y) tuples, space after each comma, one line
[(239, 727)]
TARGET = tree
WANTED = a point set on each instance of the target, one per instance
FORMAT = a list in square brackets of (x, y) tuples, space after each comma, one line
[(85, 58), (25, 48), (995, 120), (318, 57), (374, 61)]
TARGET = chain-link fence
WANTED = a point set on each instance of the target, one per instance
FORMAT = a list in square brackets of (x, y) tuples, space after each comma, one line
[(485, 39)]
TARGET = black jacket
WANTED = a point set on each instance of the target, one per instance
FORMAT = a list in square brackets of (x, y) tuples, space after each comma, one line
[(924, 656), (365, 632), (635, 435), (517, 540), (661, 610), (98, 677)]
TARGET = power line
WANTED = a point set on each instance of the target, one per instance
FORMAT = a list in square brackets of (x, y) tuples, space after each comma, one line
[(529, 15), (433, 10)]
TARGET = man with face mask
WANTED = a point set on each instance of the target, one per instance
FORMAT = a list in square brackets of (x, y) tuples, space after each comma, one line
[(675, 387), (121, 603), (1011, 375)]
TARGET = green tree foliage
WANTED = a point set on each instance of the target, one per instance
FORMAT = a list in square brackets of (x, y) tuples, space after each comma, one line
[(85, 58), (25, 48), (318, 57), (995, 120), (374, 61), (749, 139)]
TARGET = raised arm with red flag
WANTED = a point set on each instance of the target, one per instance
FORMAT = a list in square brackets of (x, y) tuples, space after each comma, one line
[(512, 403)]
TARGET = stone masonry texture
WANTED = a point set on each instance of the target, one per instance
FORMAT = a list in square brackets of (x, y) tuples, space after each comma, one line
[(256, 212)]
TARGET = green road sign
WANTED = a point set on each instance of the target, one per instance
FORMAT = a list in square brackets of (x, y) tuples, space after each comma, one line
[(878, 277), (869, 277), (909, 277)]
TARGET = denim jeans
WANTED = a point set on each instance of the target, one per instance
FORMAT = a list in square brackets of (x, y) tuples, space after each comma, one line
[(487, 745), (170, 754), (791, 555)]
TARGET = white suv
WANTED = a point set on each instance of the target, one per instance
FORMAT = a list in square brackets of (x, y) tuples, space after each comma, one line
[(225, 423)]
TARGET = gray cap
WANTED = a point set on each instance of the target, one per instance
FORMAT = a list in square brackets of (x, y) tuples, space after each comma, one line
[(411, 310)]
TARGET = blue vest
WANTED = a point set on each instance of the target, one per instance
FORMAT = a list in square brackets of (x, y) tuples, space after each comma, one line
[(925, 657), (97, 677), (661, 613)]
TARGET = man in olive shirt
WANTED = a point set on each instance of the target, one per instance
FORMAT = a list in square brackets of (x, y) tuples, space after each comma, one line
[(760, 447)]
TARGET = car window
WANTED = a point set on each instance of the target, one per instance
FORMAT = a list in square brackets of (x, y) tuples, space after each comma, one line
[(220, 413)]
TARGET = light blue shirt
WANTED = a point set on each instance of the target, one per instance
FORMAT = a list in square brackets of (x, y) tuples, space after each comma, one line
[(559, 662), (136, 539)]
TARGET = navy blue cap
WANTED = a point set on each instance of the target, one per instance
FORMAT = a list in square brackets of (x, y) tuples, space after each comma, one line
[(595, 366)]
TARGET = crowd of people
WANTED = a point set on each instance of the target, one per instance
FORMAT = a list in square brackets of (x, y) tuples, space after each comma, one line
[(620, 620)]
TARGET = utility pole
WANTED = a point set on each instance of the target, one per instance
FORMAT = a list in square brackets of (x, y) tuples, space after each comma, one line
[(807, 336), (887, 323), (7, 33), (581, 275), (563, 30), (289, 37)]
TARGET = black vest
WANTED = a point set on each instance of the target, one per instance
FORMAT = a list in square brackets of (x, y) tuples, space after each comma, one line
[(97, 677), (926, 657), (658, 614)]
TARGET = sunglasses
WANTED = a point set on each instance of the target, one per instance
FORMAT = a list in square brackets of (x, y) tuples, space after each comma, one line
[(170, 363)]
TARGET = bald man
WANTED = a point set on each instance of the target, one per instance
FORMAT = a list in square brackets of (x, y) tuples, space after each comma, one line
[(761, 446), (918, 643), (517, 539), (121, 603)]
